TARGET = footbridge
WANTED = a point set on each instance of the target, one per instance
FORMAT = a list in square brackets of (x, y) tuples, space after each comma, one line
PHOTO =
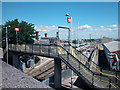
[(86, 69)]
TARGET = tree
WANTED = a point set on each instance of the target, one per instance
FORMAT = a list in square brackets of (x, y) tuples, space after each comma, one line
[(26, 33)]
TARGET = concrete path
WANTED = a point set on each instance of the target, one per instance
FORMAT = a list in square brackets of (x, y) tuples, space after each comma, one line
[(14, 78), (67, 82), (1, 56)]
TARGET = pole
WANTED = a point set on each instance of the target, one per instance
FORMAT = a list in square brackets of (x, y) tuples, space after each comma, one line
[(16, 38), (71, 30), (6, 45), (90, 43), (71, 51), (77, 33), (72, 80), (58, 37)]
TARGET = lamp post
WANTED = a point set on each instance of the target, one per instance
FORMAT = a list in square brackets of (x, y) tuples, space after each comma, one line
[(16, 29), (69, 20), (7, 41)]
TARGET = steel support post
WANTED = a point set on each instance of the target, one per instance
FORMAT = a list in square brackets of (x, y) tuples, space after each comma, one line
[(57, 73)]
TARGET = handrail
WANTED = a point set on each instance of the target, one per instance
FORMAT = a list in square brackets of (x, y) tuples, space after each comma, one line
[(84, 55), (74, 59), (100, 71), (89, 69)]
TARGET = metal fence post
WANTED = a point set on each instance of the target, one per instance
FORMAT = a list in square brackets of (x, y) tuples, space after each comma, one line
[(93, 80), (116, 77), (25, 47), (49, 50), (109, 84), (32, 48), (39, 49), (67, 57), (20, 47), (15, 47), (79, 66), (57, 50), (100, 73)]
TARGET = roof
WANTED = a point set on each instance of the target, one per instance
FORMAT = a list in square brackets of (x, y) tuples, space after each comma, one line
[(106, 40), (113, 46), (53, 38), (42, 41)]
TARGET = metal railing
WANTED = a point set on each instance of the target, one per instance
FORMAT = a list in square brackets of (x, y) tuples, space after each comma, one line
[(43, 49), (96, 80), (94, 67), (100, 81)]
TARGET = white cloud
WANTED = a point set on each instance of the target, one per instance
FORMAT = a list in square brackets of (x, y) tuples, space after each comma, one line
[(84, 30), (115, 29), (53, 26), (109, 29), (96, 29), (101, 26), (42, 30), (113, 25), (46, 28), (86, 27), (35, 27)]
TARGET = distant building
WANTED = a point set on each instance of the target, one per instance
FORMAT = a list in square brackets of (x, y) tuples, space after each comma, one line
[(42, 41), (48, 40), (112, 51), (52, 40), (106, 40)]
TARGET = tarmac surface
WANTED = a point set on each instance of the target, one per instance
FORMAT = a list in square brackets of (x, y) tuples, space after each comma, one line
[(14, 78), (1, 56)]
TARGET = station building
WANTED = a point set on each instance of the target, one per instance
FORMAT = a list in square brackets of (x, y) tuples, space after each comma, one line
[(112, 52)]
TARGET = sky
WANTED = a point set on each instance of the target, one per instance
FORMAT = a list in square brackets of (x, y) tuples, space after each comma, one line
[(96, 18)]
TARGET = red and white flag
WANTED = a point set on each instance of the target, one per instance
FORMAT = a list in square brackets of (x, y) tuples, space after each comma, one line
[(16, 29)]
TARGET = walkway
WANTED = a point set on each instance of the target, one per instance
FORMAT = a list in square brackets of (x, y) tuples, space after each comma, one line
[(14, 78)]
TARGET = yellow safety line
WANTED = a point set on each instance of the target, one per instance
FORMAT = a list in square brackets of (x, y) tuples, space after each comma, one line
[(98, 69), (92, 75)]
